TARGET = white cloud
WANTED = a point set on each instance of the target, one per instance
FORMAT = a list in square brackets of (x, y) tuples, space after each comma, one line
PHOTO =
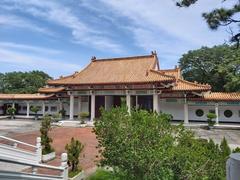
[(164, 16), (25, 61), (36, 49), (59, 14)]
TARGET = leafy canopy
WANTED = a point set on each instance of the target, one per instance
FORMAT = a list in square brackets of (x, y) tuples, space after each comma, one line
[(145, 145), (220, 17), (218, 66), (22, 82)]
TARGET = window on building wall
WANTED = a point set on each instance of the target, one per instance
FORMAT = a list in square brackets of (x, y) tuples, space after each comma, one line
[(199, 112), (24, 108), (228, 113), (212, 111), (46, 108), (1, 108), (53, 108)]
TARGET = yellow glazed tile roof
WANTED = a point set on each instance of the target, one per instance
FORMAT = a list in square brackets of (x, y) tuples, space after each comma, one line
[(138, 69), (222, 96), (24, 96), (182, 85), (50, 89)]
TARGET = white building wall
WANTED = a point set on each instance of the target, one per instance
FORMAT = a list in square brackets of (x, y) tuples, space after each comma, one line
[(176, 109)]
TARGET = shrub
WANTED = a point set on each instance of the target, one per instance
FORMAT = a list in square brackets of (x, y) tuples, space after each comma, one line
[(63, 113), (35, 109), (82, 116), (45, 139), (102, 174), (73, 150), (145, 145), (11, 111), (236, 150), (56, 116), (210, 117)]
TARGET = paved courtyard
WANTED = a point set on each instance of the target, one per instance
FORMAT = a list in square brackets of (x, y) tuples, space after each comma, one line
[(232, 136), (8, 126)]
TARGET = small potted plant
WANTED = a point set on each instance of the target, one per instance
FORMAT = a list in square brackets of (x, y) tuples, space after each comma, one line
[(56, 117), (11, 111), (74, 150), (35, 110), (63, 113), (47, 150), (83, 118), (210, 117)]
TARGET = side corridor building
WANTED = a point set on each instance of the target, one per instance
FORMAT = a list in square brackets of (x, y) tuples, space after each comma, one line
[(139, 80)]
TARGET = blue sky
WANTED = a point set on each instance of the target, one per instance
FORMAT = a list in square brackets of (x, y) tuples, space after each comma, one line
[(60, 36)]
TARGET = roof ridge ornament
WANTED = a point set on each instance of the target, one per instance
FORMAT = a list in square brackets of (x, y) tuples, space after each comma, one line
[(93, 58)]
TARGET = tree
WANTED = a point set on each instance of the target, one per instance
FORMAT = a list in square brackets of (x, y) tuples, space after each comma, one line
[(219, 17), (73, 150), (22, 82), (45, 139), (11, 111), (145, 145), (35, 109), (218, 66)]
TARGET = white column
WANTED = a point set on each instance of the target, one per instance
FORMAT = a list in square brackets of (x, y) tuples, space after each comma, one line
[(43, 108), (28, 108), (136, 102), (79, 104), (92, 106), (128, 100), (155, 103), (217, 113), (186, 120), (71, 110), (106, 102), (13, 104)]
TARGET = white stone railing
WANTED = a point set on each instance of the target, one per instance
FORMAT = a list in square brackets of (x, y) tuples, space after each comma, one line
[(14, 148), (63, 169)]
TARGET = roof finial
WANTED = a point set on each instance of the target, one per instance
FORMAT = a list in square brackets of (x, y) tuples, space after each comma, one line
[(93, 58), (154, 52)]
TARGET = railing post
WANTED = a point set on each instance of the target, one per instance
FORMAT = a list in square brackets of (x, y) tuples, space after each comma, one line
[(233, 166), (64, 164), (39, 149)]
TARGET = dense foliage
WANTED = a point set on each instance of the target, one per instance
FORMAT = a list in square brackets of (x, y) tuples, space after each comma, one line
[(145, 145), (220, 17), (218, 66), (22, 82), (45, 139), (73, 150)]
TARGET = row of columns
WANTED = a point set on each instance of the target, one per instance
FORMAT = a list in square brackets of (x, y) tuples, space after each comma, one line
[(128, 102)]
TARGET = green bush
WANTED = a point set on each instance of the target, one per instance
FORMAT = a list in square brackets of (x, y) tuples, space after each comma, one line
[(63, 113), (102, 174), (11, 111), (210, 117), (35, 109), (56, 116), (144, 145), (45, 139), (82, 116), (73, 150)]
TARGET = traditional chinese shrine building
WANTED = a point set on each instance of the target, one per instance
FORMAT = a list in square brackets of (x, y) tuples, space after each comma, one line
[(139, 80)]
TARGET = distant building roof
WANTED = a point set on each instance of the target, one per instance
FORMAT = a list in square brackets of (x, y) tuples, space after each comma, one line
[(222, 96), (51, 89), (24, 96)]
